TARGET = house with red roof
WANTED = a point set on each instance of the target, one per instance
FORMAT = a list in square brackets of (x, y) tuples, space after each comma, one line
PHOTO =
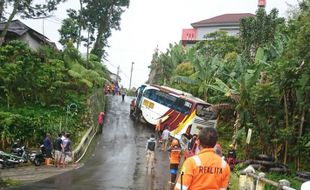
[(226, 22)]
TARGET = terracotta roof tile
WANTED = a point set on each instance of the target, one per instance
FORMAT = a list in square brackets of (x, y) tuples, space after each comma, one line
[(222, 19)]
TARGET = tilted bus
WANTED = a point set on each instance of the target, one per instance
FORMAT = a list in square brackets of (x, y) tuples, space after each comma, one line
[(181, 111)]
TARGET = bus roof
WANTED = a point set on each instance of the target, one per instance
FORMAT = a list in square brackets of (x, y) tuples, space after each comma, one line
[(180, 93)]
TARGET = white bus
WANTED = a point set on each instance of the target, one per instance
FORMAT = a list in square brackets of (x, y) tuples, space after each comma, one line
[(181, 111)]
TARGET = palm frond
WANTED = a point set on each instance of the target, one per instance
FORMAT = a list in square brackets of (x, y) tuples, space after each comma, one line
[(184, 79)]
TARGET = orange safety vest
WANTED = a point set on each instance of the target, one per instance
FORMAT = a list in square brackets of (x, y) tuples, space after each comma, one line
[(175, 156), (204, 171)]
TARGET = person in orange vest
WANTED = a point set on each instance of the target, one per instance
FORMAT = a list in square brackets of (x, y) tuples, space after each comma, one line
[(206, 170), (175, 157)]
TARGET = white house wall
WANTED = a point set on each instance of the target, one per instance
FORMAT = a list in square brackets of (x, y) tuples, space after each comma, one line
[(202, 31), (33, 44)]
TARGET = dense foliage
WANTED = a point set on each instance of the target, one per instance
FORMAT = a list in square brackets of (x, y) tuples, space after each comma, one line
[(44, 91), (264, 75)]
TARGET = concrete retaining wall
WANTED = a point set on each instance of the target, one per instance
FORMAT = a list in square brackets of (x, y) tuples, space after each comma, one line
[(95, 104)]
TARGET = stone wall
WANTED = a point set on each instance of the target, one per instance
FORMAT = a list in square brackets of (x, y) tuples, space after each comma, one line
[(95, 104)]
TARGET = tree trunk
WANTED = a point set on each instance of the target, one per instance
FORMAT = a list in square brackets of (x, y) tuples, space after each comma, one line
[(286, 126), (1, 9), (6, 26), (301, 126), (104, 25), (8, 101), (98, 45), (88, 44), (2, 140), (236, 128)]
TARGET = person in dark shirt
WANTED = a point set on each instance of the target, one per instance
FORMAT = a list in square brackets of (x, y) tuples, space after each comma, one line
[(59, 150), (192, 142), (232, 156), (48, 148), (150, 151)]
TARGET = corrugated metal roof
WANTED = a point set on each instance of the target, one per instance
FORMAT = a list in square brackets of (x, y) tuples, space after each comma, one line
[(19, 28), (222, 19), (16, 27)]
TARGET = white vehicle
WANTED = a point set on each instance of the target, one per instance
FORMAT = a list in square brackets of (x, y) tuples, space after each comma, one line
[(181, 111)]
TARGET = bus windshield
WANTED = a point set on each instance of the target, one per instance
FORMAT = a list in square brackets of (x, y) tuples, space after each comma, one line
[(168, 100)]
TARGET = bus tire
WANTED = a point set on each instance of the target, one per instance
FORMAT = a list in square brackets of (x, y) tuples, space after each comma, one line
[(264, 163), (247, 162), (303, 174), (282, 170), (265, 157), (301, 179), (258, 167)]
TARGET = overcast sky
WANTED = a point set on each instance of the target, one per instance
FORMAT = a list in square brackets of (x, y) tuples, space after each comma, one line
[(150, 23)]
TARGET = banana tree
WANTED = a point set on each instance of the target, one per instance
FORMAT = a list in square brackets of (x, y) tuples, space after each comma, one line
[(238, 88), (205, 71)]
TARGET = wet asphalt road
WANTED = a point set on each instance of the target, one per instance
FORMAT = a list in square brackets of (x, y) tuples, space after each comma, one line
[(118, 160)]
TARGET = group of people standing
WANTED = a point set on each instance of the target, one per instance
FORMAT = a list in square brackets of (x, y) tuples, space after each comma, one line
[(115, 90), (111, 89), (62, 150), (205, 168)]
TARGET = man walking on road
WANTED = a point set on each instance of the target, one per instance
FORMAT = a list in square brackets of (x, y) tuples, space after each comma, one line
[(165, 138), (150, 151), (123, 93), (207, 170)]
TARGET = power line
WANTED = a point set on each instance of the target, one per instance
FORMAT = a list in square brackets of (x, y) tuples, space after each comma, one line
[(111, 64), (56, 18), (53, 21)]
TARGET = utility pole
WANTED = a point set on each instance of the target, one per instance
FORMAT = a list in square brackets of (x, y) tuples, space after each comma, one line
[(131, 75), (43, 24), (43, 32), (117, 75)]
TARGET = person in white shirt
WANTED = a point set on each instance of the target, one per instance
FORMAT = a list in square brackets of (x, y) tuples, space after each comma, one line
[(165, 138)]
